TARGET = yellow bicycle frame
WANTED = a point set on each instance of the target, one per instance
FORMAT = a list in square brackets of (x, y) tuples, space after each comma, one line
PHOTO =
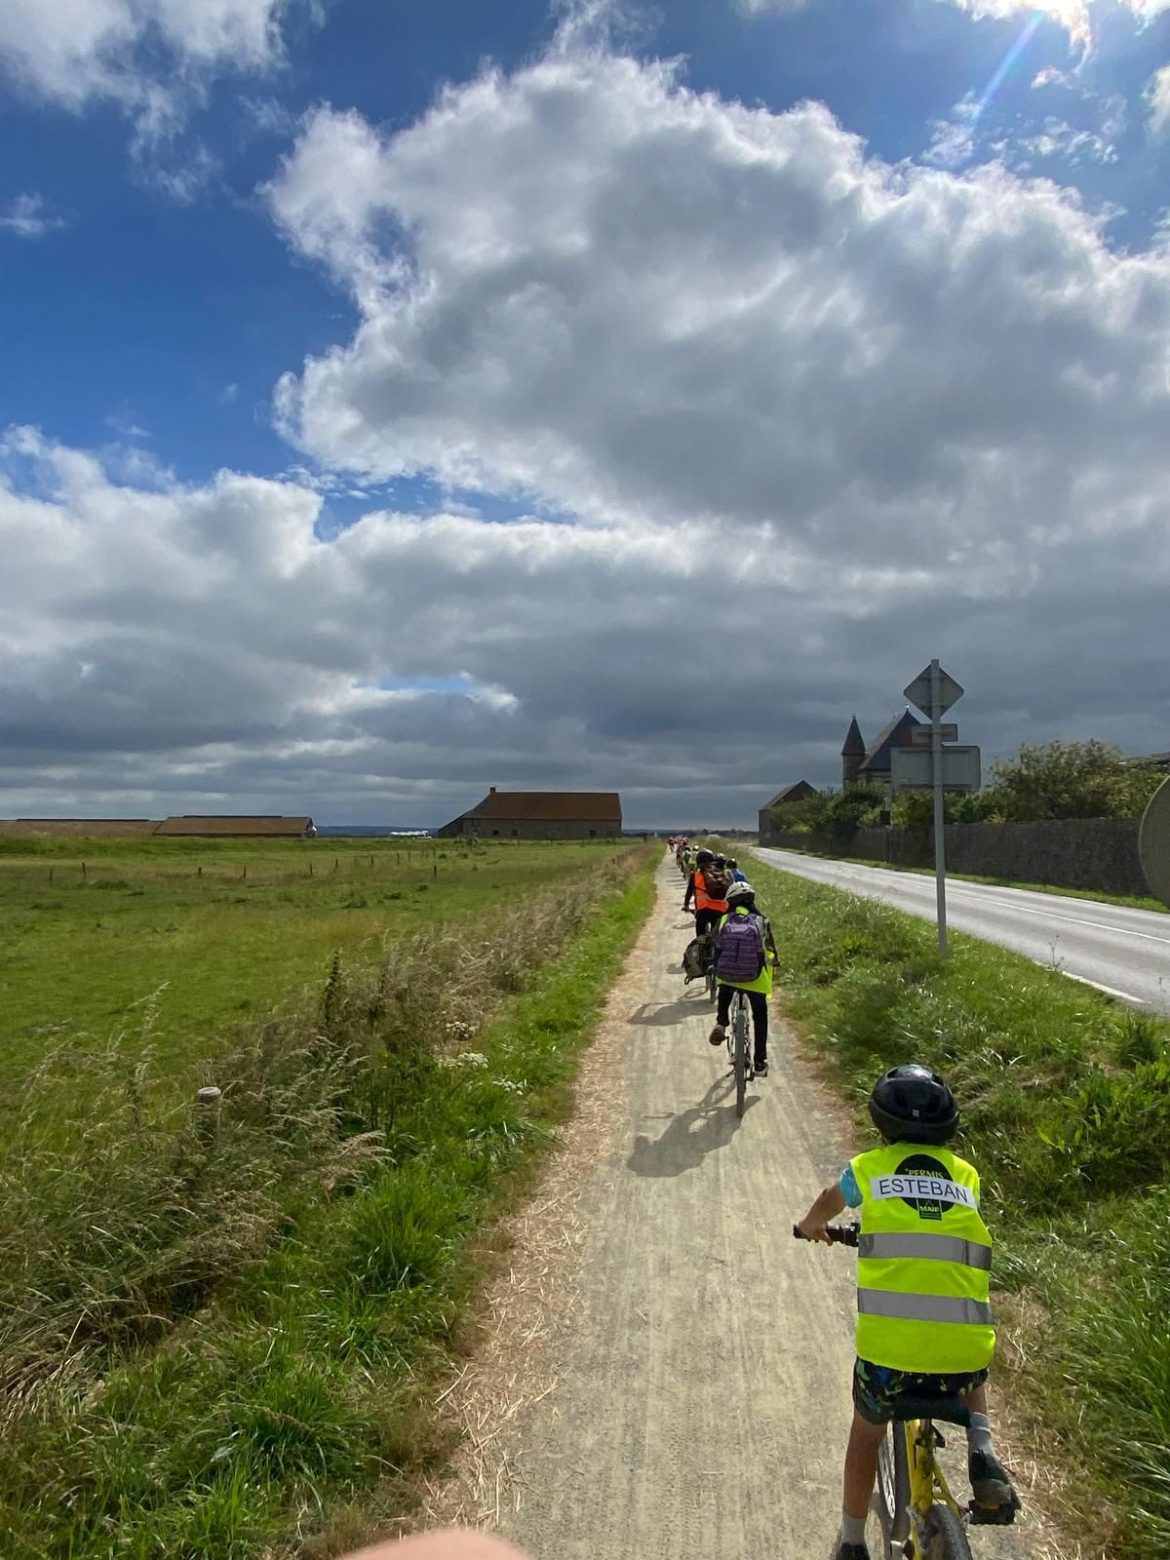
[(927, 1484)]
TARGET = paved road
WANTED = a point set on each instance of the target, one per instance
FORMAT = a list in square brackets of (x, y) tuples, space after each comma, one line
[(700, 1401), (1119, 950)]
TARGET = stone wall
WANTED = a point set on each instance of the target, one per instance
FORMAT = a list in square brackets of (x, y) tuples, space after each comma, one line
[(1098, 854)]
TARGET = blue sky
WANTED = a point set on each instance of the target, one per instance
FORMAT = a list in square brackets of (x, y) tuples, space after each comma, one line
[(486, 290)]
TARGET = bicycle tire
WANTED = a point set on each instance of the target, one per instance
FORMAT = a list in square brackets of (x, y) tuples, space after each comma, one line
[(740, 1022), (893, 1488), (949, 1537)]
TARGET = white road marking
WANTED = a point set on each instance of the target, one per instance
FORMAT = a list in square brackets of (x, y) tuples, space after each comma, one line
[(1111, 991)]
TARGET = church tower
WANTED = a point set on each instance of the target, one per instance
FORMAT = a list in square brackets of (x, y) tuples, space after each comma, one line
[(852, 754)]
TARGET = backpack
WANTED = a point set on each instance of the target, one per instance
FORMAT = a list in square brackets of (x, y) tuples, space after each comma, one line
[(696, 958), (739, 949), (717, 881)]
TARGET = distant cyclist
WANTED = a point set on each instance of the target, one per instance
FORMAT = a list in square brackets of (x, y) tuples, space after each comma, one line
[(707, 886), (923, 1319), (745, 952), (733, 867)]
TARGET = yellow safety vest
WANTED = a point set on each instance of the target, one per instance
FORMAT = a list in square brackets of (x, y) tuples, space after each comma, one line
[(924, 1262)]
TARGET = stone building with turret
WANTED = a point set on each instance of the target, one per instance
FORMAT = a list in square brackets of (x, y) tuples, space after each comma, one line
[(871, 765)]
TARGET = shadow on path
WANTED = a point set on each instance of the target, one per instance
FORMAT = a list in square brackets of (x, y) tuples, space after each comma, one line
[(669, 1012), (692, 1134)]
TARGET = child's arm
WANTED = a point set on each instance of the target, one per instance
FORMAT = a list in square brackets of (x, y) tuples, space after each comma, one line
[(827, 1206)]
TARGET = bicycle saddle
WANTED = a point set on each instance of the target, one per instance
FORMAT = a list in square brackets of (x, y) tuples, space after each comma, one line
[(951, 1409)]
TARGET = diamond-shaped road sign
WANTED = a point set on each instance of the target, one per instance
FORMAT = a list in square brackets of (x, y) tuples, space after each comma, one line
[(919, 691)]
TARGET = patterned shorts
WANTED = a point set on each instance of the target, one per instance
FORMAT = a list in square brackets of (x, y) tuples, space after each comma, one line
[(876, 1388)]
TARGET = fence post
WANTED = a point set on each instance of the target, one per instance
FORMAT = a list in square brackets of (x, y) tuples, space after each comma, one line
[(83, 869), (207, 1111)]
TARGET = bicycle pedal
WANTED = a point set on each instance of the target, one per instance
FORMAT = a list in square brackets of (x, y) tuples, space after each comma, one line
[(994, 1516)]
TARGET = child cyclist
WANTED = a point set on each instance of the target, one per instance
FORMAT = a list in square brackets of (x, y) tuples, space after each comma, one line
[(924, 1260), (745, 953)]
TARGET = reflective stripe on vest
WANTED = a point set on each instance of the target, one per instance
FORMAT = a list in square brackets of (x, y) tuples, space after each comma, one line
[(924, 1308), (940, 1248)]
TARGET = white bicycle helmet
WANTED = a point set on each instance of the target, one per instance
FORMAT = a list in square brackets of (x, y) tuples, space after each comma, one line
[(739, 891)]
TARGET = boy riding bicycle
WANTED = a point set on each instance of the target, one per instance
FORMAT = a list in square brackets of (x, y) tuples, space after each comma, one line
[(924, 1259), (745, 953)]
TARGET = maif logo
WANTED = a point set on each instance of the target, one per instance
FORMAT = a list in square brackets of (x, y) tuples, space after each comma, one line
[(924, 1185)]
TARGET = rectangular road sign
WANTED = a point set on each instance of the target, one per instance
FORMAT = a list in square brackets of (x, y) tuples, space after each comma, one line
[(920, 735), (910, 769), (918, 692)]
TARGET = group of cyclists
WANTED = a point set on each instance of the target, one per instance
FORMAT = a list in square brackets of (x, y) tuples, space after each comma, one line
[(924, 1324)]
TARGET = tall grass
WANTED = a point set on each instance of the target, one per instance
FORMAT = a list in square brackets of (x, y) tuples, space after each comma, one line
[(212, 1333), (1065, 1098)]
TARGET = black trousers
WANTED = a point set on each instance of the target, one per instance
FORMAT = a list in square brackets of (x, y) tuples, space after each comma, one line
[(706, 921), (759, 1006)]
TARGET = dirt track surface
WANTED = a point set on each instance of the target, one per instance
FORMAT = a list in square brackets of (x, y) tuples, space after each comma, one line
[(675, 1383)]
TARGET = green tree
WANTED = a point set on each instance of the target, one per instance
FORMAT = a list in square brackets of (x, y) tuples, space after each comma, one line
[(856, 807), (1070, 780)]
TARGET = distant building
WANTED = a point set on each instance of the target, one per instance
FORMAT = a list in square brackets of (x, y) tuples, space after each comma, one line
[(238, 826), (210, 826), (861, 765), (799, 791), (81, 828), (539, 815)]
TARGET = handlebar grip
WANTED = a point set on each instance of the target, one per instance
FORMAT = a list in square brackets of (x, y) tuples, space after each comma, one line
[(839, 1234)]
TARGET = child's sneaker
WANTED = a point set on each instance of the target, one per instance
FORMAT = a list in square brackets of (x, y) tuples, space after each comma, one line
[(991, 1486), (718, 1035), (851, 1552)]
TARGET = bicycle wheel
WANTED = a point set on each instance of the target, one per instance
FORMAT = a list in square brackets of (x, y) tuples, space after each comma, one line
[(740, 1030), (893, 1487), (948, 1537)]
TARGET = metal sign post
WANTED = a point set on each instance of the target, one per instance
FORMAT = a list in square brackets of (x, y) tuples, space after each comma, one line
[(934, 693), (940, 849)]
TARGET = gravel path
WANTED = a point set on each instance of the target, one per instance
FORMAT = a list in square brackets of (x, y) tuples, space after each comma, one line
[(691, 1399)]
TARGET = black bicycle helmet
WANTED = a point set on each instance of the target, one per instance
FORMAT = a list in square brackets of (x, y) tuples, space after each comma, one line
[(720, 861), (911, 1104), (704, 858)]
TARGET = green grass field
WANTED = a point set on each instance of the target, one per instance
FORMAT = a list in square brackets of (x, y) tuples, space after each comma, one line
[(182, 940)]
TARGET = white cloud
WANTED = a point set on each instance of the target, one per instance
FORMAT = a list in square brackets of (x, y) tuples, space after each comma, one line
[(588, 284), (1057, 138), (953, 141), (152, 57), (28, 217), (1157, 100)]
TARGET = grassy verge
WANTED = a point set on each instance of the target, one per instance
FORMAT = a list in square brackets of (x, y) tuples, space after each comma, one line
[(1132, 901), (221, 1340), (1066, 1107)]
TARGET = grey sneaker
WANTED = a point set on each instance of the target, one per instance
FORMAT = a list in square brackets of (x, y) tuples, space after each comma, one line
[(760, 1068)]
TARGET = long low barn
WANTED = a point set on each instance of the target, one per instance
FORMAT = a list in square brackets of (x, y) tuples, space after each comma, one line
[(539, 815), (209, 827)]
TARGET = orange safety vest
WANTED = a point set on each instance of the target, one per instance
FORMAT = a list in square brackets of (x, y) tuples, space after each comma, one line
[(703, 900)]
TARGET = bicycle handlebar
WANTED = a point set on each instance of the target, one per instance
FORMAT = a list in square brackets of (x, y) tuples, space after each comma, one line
[(839, 1234)]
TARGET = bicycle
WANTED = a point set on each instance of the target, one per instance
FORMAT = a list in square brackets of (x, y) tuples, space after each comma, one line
[(920, 1518), (739, 1048)]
